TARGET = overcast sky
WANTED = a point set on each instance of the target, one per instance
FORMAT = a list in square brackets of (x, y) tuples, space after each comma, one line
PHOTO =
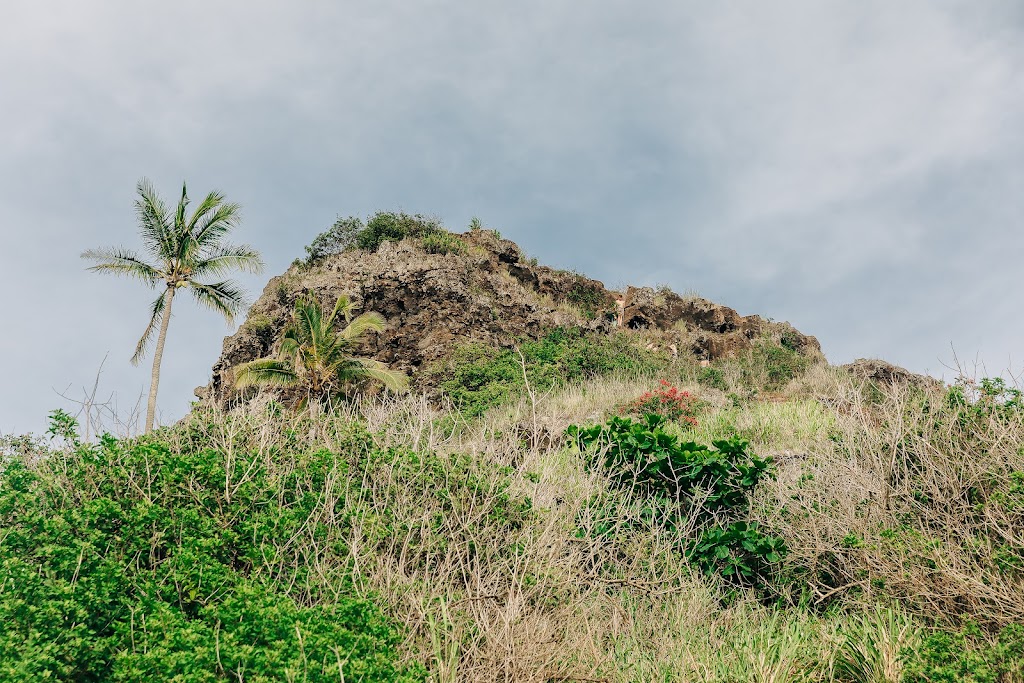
[(855, 168)]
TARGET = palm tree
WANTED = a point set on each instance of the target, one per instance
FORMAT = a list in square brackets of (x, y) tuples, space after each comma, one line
[(317, 357), (181, 250)]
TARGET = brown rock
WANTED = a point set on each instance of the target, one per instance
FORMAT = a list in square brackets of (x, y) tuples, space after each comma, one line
[(875, 370), (489, 294)]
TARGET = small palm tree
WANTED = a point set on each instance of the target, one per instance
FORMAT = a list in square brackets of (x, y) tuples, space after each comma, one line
[(182, 249), (317, 357)]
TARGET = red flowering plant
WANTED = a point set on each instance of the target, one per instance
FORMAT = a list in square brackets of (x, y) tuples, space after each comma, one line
[(669, 401)]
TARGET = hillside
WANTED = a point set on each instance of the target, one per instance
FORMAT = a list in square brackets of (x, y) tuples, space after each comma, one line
[(559, 498), (482, 289)]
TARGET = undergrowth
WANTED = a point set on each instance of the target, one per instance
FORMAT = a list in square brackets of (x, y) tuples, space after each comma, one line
[(265, 545), (478, 377)]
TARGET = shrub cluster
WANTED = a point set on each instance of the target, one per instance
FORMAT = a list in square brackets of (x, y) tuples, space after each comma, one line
[(352, 233), (967, 656), (341, 236), (130, 561), (712, 378), (771, 366), (478, 377), (713, 485)]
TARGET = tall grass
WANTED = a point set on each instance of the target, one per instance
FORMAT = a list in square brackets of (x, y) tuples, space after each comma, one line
[(480, 536)]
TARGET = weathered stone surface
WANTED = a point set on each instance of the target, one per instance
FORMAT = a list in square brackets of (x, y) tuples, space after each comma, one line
[(875, 370), (490, 294)]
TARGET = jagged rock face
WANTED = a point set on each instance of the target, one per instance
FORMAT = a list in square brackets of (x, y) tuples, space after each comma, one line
[(490, 294), (874, 370), (706, 329)]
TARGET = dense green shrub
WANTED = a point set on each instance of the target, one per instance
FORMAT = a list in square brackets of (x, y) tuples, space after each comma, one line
[(976, 401), (341, 236), (639, 455), (352, 233), (967, 656), (130, 561), (387, 226), (641, 458), (477, 377)]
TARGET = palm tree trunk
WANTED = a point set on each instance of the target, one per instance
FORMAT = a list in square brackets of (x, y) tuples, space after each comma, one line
[(154, 381)]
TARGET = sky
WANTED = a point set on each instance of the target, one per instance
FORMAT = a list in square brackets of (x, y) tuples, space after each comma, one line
[(854, 168)]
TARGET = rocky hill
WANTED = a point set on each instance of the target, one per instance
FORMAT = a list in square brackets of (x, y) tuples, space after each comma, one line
[(484, 289)]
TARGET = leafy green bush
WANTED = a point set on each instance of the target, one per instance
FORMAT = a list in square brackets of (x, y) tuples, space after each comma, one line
[(967, 656), (341, 236), (643, 459), (991, 397), (478, 377), (128, 561), (387, 226), (352, 233), (738, 552), (443, 243)]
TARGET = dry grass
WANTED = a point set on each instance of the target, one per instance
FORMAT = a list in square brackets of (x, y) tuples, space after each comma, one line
[(873, 497), (877, 499)]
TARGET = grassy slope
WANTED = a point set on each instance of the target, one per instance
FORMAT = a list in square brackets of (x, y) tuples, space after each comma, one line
[(904, 516)]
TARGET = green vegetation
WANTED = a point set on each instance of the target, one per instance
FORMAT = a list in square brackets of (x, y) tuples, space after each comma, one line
[(185, 250), (772, 366), (341, 236), (690, 485), (968, 656), (826, 535), (479, 377), (587, 298), (317, 359), (552, 517), (712, 378), (443, 243), (390, 226), (169, 558), (383, 226)]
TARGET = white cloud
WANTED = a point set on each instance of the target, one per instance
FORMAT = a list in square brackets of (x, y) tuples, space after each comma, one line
[(828, 162)]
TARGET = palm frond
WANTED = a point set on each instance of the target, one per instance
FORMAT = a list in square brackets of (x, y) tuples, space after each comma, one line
[(151, 328), (154, 222), (289, 345), (392, 379), (228, 257), (213, 220), (366, 322), (123, 262), (308, 321), (265, 372), (226, 297), (179, 217), (344, 306)]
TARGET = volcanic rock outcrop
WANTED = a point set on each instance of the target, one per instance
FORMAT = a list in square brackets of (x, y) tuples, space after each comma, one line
[(490, 293)]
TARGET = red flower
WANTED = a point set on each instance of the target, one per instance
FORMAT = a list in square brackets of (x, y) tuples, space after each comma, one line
[(669, 402)]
